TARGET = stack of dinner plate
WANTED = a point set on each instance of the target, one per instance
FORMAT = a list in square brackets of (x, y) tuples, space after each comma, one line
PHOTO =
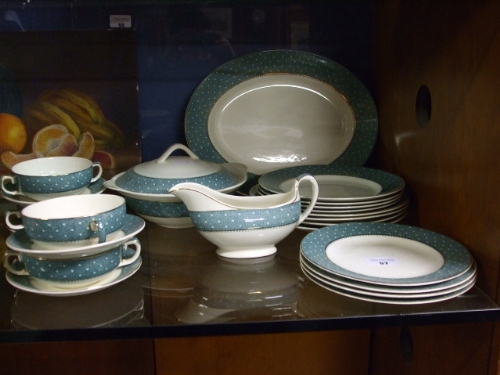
[(387, 263), (346, 194)]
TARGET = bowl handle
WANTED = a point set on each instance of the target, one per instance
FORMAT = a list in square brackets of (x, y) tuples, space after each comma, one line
[(9, 223), (314, 197), (16, 266), (13, 180), (174, 147)]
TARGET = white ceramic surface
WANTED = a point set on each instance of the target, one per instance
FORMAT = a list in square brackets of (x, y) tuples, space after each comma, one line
[(399, 257), (255, 122), (332, 186)]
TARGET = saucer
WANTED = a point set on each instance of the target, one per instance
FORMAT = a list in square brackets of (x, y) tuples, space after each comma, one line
[(19, 241), (25, 283), (94, 188)]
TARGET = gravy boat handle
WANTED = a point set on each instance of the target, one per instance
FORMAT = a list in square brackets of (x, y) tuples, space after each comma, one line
[(314, 196)]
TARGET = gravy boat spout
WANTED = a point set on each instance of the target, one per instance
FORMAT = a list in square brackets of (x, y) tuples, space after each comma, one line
[(245, 226)]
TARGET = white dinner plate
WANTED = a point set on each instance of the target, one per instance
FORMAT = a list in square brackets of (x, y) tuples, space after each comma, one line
[(397, 300), (277, 182), (386, 253), (311, 225), (419, 290), (281, 108), (401, 206), (389, 294), (20, 242), (337, 186), (356, 207)]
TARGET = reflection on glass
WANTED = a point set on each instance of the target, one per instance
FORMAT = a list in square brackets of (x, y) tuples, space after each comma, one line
[(118, 306), (237, 289)]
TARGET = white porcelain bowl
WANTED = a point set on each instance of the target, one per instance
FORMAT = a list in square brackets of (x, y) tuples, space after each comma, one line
[(51, 177)]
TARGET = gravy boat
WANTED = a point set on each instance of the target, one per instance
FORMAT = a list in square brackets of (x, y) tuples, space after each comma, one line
[(245, 226)]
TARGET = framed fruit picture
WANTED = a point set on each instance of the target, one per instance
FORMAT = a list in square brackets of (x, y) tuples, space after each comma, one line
[(70, 93)]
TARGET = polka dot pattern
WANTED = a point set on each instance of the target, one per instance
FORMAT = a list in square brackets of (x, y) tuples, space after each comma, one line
[(235, 220), (73, 269), (457, 258), (73, 229), (257, 64), (158, 209), (137, 183), (54, 184)]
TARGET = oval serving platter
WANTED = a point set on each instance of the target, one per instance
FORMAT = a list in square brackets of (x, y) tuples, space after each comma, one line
[(281, 108)]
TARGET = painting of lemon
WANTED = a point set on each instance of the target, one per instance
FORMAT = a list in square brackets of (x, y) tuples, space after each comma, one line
[(13, 135)]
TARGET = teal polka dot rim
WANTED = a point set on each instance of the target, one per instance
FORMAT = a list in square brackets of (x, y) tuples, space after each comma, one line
[(158, 209), (236, 77), (45, 178), (235, 220), (54, 184), (68, 221), (75, 269), (456, 258), (137, 183), (74, 229)]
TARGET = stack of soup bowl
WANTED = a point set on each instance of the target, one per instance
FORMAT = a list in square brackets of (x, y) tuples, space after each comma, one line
[(67, 243)]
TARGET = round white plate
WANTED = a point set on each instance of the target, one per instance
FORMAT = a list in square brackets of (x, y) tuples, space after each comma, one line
[(20, 242), (419, 290), (25, 283), (372, 214), (389, 218), (281, 108), (352, 176), (439, 257), (401, 257), (356, 207), (395, 300), (337, 186)]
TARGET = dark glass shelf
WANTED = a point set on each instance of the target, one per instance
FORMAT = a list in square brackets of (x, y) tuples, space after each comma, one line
[(184, 289)]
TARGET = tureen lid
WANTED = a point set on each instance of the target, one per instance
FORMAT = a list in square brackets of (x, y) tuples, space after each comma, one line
[(171, 166), (160, 175)]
